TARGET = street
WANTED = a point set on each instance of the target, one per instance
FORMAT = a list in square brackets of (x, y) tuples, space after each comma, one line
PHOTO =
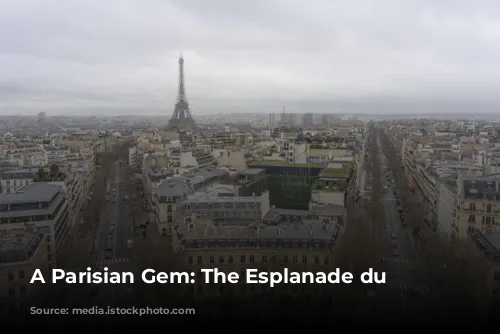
[(400, 260), (114, 232)]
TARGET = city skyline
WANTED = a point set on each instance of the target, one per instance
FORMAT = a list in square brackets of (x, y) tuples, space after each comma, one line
[(356, 57)]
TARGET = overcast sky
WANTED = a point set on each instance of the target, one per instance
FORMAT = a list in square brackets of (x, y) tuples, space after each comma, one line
[(121, 56)]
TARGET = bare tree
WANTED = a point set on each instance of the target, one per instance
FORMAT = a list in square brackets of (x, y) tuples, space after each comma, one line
[(361, 247)]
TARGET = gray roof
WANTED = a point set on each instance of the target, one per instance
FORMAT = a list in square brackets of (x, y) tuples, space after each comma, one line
[(35, 192), (309, 228), (252, 171), (173, 189), (182, 185), (477, 187), (20, 250), (296, 231), (328, 210)]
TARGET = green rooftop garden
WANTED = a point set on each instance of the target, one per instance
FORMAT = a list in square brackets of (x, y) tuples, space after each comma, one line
[(336, 172)]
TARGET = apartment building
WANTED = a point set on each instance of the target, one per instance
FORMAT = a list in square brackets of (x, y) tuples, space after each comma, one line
[(295, 239), (75, 184), (132, 156), (488, 157), (171, 193), (489, 246), (295, 152), (243, 139), (191, 157), (21, 252), (230, 157), (218, 139), (56, 154), (330, 187), (221, 202), (477, 205), (39, 206), (289, 133), (14, 179)]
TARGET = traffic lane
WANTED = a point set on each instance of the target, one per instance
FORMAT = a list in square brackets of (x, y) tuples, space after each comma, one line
[(124, 230), (394, 225), (404, 245), (115, 197)]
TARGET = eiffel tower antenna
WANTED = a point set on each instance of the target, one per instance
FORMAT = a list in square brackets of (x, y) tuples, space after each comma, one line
[(181, 118)]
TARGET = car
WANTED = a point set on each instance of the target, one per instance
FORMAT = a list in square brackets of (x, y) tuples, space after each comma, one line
[(82, 221), (395, 252), (400, 209), (394, 244), (404, 223), (113, 201), (109, 246), (393, 235)]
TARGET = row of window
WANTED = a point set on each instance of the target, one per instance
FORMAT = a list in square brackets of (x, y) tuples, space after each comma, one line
[(484, 220), (489, 206), (263, 259), (13, 292), (12, 275)]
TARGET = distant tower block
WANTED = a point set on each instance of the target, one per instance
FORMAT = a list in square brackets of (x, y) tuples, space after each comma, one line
[(181, 118)]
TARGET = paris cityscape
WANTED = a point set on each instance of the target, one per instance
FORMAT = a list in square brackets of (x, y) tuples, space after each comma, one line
[(344, 184)]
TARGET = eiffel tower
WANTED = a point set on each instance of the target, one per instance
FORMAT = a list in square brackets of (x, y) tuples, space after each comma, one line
[(181, 118)]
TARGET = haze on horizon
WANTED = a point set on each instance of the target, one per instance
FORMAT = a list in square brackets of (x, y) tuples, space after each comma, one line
[(358, 56)]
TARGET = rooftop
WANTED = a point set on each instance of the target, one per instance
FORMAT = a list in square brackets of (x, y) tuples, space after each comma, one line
[(480, 186), (336, 170), (282, 224), (251, 171), (182, 185), (19, 248), (35, 192)]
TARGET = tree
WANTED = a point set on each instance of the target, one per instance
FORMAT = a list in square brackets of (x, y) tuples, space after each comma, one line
[(41, 174), (360, 248), (54, 169)]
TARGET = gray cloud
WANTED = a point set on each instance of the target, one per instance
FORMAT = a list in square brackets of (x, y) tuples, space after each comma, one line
[(93, 56)]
